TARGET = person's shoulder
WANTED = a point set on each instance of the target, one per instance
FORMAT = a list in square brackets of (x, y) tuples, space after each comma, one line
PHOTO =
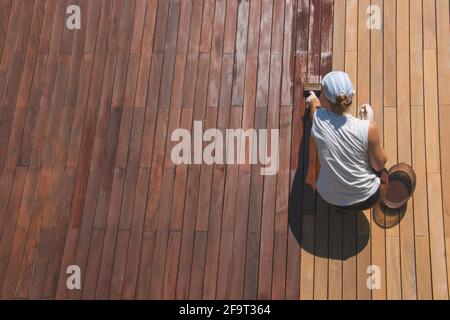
[(321, 112)]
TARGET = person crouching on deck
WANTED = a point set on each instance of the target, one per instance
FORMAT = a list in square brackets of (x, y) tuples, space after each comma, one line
[(352, 174)]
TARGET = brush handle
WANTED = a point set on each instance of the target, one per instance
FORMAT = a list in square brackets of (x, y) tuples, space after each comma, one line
[(306, 93)]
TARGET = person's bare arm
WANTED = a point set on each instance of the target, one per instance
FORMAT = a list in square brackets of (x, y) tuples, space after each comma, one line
[(312, 103), (377, 155)]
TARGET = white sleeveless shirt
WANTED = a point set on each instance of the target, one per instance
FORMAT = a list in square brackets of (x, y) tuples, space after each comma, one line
[(345, 176)]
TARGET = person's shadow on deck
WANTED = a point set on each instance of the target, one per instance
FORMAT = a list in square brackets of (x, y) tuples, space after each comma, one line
[(320, 229)]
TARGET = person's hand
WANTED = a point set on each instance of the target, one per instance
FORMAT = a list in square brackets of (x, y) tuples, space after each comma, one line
[(310, 100), (366, 112)]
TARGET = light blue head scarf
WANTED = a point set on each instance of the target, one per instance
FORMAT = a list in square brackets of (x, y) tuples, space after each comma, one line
[(336, 83)]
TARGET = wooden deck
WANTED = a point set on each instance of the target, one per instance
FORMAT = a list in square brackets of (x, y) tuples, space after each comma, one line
[(86, 176)]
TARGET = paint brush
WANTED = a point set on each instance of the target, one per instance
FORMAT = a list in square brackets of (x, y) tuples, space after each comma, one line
[(308, 87)]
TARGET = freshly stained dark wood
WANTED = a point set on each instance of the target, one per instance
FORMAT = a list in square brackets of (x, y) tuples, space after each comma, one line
[(86, 176)]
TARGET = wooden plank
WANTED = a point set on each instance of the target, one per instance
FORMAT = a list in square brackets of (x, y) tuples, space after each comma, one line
[(278, 26), (434, 189), (241, 50), (363, 245), (230, 26), (161, 26), (162, 236), (140, 11), (132, 170), (240, 237), (8, 45), (119, 265), (148, 244), (393, 272), (68, 255), (146, 52), (437, 240), (216, 54), (254, 219), (169, 55), (192, 58), (107, 169), (229, 215), (407, 249), (188, 233), (171, 269), (294, 218), (176, 215), (56, 111), (59, 235), (389, 55), (338, 35), (93, 198), (80, 107), (93, 264), (184, 26), (156, 171), (10, 220), (335, 257), (364, 254), (416, 51), (198, 265), (264, 54), (282, 206), (136, 237), (443, 46), (445, 154), (429, 25), (269, 192), (126, 28), (33, 237), (206, 174), (393, 268), (321, 250), (31, 55), (207, 26), (151, 112), (420, 202), (424, 288), (18, 244), (110, 235), (53, 50), (287, 93), (86, 144), (4, 18), (349, 249)]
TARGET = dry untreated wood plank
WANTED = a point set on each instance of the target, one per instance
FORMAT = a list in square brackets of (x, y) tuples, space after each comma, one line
[(378, 240), (420, 203), (389, 53), (443, 46), (407, 249), (393, 263)]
